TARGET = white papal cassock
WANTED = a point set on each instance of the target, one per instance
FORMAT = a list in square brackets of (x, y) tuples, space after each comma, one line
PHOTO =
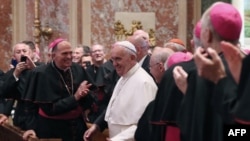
[(131, 95)]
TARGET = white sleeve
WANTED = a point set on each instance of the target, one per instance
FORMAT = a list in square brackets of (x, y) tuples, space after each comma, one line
[(16, 78), (126, 135)]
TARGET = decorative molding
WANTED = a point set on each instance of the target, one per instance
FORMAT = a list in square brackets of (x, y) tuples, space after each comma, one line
[(73, 31), (197, 11), (121, 33), (182, 26), (86, 22), (132, 21), (147, 18), (19, 21)]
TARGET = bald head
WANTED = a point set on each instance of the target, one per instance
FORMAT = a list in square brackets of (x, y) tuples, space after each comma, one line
[(62, 55), (140, 44), (161, 54), (157, 61), (61, 45), (175, 44), (142, 33)]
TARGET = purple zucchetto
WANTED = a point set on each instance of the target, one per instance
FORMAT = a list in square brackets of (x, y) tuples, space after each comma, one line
[(226, 21)]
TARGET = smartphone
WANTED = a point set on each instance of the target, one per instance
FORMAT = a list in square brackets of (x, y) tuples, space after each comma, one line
[(88, 63), (23, 58), (14, 62)]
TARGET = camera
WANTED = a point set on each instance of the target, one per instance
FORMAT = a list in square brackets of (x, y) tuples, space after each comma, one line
[(88, 63), (23, 58)]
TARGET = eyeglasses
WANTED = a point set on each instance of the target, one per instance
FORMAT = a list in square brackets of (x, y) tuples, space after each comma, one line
[(150, 66), (98, 50)]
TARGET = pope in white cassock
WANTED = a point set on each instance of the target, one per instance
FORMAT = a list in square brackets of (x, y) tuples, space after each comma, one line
[(132, 93)]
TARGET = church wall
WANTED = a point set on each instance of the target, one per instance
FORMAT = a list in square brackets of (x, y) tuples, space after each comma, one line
[(57, 14), (166, 23), (5, 33)]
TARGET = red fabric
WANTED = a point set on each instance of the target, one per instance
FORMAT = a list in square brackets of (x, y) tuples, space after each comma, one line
[(197, 29), (242, 121), (178, 57), (177, 41), (172, 133), (94, 107), (73, 114), (55, 42), (247, 51)]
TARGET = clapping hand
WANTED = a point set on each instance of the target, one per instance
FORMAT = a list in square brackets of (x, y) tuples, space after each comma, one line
[(82, 90)]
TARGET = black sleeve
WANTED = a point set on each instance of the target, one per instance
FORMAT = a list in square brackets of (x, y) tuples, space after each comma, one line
[(57, 104), (144, 128), (100, 121), (8, 107), (224, 97), (9, 86), (60, 106), (242, 104)]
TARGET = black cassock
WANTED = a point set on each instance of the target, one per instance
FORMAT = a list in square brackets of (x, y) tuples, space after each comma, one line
[(205, 109), (108, 80), (5, 104), (25, 115), (105, 78), (164, 109), (60, 115), (242, 105)]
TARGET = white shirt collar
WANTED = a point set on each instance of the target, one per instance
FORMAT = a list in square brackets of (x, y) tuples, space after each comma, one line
[(142, 60)]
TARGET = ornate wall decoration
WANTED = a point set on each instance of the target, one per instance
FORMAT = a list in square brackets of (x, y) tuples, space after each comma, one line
[(121, 33)]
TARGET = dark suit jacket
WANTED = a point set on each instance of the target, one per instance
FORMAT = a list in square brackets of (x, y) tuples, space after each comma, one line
[(145, 64), (5, 105)]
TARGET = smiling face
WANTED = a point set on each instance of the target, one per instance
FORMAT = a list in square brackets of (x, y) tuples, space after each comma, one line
[(122, 60), (21, 49), (77, 54), (62, 56), (97, 54)]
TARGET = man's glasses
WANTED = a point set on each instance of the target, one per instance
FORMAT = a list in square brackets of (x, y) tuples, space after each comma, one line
[(150, 66)]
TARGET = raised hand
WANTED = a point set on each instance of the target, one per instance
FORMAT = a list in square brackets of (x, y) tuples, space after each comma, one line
[(234, 57), (82, 90), (180, 77), (209, 64)]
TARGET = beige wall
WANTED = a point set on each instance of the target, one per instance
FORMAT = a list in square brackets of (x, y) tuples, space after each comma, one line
[(92, 21)]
